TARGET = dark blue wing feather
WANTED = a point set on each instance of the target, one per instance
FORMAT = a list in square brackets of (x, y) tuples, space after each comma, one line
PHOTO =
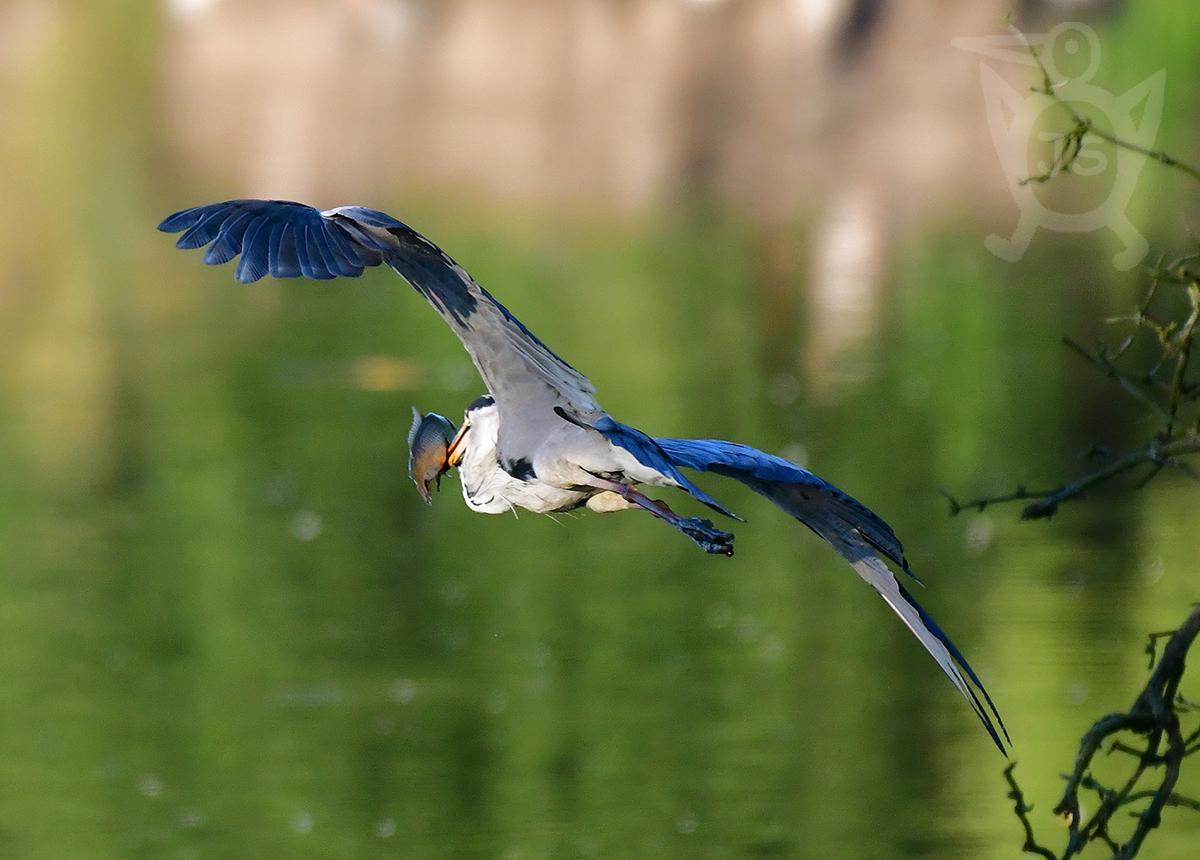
[(274, 237), (281, 252), (200, 226), (966, 667), (335, 264), (253, 264), (854, 530), (229, 241), (772, 476), (184, 220), (286, 239), (311, 264), (649, 453)]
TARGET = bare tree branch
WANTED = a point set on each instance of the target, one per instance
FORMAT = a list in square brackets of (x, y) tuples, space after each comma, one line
[(1177, 436), (1154, 717), (1022, 810), (1174, 399)]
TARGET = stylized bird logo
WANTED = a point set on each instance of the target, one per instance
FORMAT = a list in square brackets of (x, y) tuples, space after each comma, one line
[(1013, 115)]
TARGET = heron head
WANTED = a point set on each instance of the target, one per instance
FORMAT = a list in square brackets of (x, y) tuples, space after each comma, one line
[(429, 447), (480, 415)]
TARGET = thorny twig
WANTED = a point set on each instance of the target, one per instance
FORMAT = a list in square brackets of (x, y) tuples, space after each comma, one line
[(1154, 717), (1022, 810), (1174, 400), (1083, 126)]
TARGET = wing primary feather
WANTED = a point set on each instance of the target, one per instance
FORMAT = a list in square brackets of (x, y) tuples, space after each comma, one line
[(285, 263), (332, 266), (184, 219), (317, 253), (256, 251), (229, 241), (872, 568), (205, 225), (856, 532), (304, 253), (515, 365), (274, 240), (960, 660), (887, 552)]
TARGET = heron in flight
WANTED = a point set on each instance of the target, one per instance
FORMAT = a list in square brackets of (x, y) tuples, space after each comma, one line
[(538, 439)]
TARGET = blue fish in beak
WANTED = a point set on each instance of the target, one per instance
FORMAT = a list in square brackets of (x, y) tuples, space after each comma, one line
[(428, 446)]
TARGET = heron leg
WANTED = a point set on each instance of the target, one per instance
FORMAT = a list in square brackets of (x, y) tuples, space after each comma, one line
[(707, 536)]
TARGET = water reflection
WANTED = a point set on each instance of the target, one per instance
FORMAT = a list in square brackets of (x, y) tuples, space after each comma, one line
[(232, 629)]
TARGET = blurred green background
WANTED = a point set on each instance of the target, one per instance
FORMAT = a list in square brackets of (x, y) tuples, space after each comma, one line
[(231, 629)]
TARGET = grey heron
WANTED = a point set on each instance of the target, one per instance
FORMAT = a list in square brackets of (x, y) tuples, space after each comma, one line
[(538, 439)]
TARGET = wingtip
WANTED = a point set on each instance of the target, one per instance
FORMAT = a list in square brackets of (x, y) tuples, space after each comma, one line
[(175, 222), (971, 683)]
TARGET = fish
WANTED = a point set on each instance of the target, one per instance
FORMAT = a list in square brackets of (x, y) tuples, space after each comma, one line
[(428, 444)]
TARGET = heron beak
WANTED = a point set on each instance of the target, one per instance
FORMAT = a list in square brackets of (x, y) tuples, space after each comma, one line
[(458, 448)]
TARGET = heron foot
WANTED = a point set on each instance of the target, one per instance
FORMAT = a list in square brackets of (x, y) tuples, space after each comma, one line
[(707, 536)]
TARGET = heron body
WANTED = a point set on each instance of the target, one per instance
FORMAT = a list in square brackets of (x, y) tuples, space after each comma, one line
[(492, 484), (546, 482), (538, 439)]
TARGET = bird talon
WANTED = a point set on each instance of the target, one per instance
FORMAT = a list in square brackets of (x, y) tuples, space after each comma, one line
[(707, 536)]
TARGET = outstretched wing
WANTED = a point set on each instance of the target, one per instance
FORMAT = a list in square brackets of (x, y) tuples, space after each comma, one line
[(857, 533), (288, 240)]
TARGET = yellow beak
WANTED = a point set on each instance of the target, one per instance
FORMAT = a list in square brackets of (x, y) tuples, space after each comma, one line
[(457, 449)]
